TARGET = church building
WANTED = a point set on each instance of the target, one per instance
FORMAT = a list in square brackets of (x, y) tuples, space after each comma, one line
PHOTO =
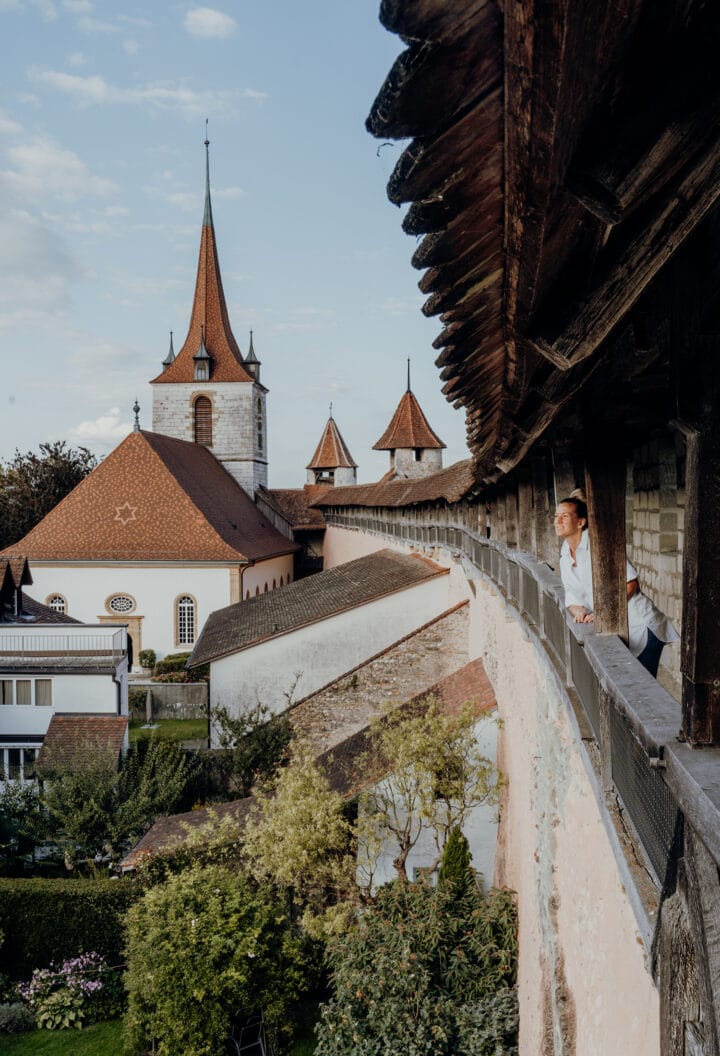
[(165, 530)]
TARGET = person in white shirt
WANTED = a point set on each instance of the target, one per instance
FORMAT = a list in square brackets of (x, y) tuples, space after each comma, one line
[(649, 630)]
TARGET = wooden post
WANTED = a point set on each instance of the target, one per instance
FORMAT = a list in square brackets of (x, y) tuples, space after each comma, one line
[(605, 489), (700, 656), (511, 514), (544, 541), (563, 472), (525, 510)]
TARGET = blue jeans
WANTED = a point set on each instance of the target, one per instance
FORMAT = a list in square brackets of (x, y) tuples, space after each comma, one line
[(650, 656)]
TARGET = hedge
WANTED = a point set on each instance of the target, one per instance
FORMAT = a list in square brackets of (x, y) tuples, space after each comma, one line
[(46, 921)]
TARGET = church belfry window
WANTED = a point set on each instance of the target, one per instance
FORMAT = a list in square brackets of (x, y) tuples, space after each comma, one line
[(203, 421), (185, 620), (259, 419)]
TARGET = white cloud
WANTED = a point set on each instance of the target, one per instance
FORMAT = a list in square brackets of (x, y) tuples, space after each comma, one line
[(135, 20), (42, 167), (77, 7), (130, 47), (75, 59), (229, 192), (8, 127), (96, 25), (95, 90), (104, 432), (36, 272), (207, 22)]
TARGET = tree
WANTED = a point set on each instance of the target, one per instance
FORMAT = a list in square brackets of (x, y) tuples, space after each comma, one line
[(205, 949), (455, 872), (432, 775), (298, 839), (424, 971), (254, 743), (32, 484)]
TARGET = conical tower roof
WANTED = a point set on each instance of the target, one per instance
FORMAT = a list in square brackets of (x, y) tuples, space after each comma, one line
[(332, 451), (209, 314), (408, 428)]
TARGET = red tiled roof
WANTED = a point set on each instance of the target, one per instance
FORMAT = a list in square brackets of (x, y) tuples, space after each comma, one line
[(408, 428), (332, 451), (294, 504), (209, 311), (155, 498), (72, 737), (449, 485)]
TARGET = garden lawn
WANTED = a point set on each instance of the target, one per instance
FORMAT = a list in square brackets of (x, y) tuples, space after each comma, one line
[(172, 729), (101, 1039)]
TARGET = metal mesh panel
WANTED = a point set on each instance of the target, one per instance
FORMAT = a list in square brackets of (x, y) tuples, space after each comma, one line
[(554, 626), (644, 793), (531, 597), (585, 683)]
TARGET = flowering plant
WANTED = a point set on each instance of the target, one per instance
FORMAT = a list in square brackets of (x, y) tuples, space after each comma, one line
[(83, 987)]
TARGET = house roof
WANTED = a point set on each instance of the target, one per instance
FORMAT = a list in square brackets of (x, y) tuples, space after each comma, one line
[(43, 613), (346, 764), (209, 319), (294, 504), (409, 428), (332, 451), (308, 601), (155, 498), (73, 737), (449, 485)]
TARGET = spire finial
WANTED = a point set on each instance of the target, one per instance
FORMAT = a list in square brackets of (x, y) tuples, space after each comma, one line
[(170, 357), (136, 410), (408, 363), (207, 218), (331, 408)]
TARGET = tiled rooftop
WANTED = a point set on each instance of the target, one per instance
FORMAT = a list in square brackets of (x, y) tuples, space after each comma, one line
[(294, 504), (449, 484), (408, 428), (309, 600), (155, 498), (72, 737), (332, 451)]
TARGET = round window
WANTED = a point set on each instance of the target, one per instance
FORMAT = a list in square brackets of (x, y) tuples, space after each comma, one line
[(121, 604)]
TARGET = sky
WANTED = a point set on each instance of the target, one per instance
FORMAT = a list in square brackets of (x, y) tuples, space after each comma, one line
[(102, 168)]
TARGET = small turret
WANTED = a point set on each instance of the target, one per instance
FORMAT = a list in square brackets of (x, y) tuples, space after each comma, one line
[(252, 363), (332, 462), (415, 450), (170, 357)]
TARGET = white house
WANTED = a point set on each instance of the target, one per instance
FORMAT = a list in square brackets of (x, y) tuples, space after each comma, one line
[(51, 666), (279, 648)]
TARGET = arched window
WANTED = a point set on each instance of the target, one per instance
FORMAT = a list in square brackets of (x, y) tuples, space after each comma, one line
[(289, 579), (57, 603), (203, 421), (274, 584), (281, 582), (265, 591), (247, 595), (257, 590), (185, 620), (259, 421)]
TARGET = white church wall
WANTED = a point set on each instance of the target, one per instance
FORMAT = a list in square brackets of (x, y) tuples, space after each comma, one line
[(304, 660), (154, 589), (257, 577)]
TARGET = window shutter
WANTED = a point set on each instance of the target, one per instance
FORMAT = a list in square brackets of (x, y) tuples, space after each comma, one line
[(203, 421)]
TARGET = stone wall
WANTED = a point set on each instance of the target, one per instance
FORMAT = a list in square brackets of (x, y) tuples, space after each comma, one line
[(173, 700), (655, 520)]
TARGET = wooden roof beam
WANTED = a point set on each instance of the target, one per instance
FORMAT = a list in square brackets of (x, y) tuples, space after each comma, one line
[(641, 258)]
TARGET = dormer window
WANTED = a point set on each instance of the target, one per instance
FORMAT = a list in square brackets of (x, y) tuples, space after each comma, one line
[(201, 359), (201, 372)]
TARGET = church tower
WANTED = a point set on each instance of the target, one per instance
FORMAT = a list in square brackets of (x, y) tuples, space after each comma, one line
[(208, 393), (415, 450), (332, 462)]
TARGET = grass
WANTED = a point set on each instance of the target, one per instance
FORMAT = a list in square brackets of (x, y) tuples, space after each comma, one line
[(173, 729), (101, 1039)]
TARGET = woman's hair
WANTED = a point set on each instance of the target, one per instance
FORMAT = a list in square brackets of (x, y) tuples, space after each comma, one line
[(579, 504)]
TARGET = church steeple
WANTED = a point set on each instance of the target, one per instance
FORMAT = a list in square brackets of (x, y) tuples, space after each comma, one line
[(209, 318)]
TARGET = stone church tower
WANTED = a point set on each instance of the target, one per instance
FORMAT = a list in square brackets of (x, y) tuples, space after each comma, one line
[(415, 450), (208, 393)]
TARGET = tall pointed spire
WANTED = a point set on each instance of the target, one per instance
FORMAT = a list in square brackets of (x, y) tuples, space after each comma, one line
[(136, 411), (209, 322), (252, 363), (207, 217), (408, 384)]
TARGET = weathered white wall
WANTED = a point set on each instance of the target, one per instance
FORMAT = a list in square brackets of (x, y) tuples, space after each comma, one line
[(234, 422), (256, 576), (307, 659), (405, 464)]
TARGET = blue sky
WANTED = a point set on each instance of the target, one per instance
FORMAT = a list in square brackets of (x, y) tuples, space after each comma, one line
[(102, 121)]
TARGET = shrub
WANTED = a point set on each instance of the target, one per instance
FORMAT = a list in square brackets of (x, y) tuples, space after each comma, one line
[(92, 913), (203, 948), (60, 1010), (136, 702), (147, 657), (172, 676), (174, 663), (16, 1018), (82, 989), (171, 662)]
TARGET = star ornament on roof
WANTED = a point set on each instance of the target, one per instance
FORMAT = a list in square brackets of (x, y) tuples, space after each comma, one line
[(125, 514)]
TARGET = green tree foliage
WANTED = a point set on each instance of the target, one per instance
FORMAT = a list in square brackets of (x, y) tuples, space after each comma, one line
[(432, 774), (206, 949), (298, 839), (255, 744), (420, 972), (455, 871), (32, 484)]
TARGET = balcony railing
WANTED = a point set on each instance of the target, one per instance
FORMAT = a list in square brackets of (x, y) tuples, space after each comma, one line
[(661, 782), (18, 645)]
